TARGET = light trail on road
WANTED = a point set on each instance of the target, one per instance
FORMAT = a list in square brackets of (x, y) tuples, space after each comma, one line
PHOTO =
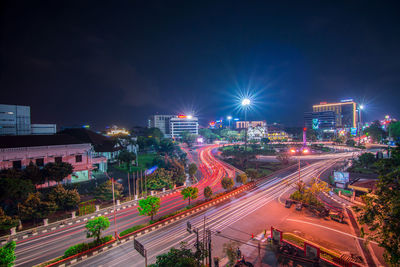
[(218, 218), (52, 244)]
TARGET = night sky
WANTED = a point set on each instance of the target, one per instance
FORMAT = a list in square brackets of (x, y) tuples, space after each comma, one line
[(117, 62)]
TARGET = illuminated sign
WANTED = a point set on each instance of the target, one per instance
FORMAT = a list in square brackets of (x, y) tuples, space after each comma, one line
[(315, 124), (353, 131), (182, 116), (341, 177), (212, 123)]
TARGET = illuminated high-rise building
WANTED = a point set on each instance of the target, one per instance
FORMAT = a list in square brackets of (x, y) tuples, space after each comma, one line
[(345, 112)]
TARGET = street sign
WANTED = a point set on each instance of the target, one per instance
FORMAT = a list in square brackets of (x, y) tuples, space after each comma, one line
[(139, 247)]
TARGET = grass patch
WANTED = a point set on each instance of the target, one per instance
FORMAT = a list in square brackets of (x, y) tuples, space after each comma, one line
[(145, 162), (344, 192), (132, 229)]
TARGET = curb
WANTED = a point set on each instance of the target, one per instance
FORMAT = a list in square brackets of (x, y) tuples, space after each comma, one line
[(70, 221), (131, 236)]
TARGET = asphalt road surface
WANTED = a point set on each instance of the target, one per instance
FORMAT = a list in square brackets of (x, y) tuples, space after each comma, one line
[(52, 244), (218, 218)]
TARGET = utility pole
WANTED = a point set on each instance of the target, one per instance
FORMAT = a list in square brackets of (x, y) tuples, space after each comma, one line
[(115, 220), (209, 248), (129, 185)]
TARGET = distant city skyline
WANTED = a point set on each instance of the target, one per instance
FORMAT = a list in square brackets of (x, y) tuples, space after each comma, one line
[(88, 63)]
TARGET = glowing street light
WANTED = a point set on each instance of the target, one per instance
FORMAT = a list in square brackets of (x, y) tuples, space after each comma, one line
[(246, 102), (361, 107), (229, 121)]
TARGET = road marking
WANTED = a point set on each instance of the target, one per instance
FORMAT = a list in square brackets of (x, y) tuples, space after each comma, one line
[(325, 227)]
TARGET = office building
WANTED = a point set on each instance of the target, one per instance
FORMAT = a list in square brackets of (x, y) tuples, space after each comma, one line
[(161, 122), (183, 123), (345, 112), (247, 124), (16, 120), (323, 120), (43, 129)]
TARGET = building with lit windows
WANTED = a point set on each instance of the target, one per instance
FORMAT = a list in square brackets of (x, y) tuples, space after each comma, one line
[(345, 112), (183, 123), (162, 122), (247, 124), (16, 120), (324, 120)]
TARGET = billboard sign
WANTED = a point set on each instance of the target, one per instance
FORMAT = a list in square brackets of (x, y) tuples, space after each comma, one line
[(341, 177), (353, 131)]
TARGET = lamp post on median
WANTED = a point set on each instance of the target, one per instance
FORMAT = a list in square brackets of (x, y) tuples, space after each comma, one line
[(304, 151), (229, 121), (245, 104), (359, 123)]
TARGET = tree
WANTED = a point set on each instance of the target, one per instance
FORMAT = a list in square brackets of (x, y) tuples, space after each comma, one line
[(192, 169), (350, 142), (33, 173), (13, 188), (166, 146), (252, 173), (241, 178), (57, 171), (159, 179), (34, 207), (178, 171), (366, 159), (381, 214), (227, 183), (283, 158), (394, 130), (318, 187), (190, 193), (229, 250), (207, 192), (149, 206), (104, 191), (126, 157), (183, 257), (64, 198), (311, 134), (188, 138), (7, 254), (375, 131), (7, 222), (95, 226)]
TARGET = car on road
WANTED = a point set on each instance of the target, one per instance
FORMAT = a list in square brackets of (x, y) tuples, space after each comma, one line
[(288, 203), (299, 206)]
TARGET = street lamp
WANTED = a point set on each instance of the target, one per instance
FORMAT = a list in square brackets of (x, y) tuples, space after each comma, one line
[(359, 123), (304, 151), (229, 121), (245, 104)]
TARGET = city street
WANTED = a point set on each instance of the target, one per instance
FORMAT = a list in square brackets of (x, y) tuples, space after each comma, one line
[(241, 213), (43, 247)]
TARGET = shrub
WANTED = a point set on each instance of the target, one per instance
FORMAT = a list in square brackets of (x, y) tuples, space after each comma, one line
[(78, 248), (132, 229)]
